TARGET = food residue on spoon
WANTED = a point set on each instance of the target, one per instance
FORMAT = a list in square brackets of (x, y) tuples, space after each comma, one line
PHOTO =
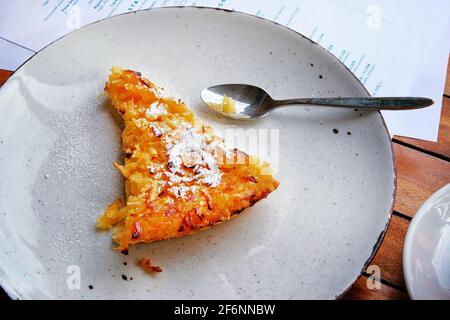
[(227, 105)]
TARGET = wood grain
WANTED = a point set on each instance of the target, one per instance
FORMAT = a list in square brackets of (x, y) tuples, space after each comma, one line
[(418, 176), (442, 146), (389, 256), (360, 291), (4, 75)]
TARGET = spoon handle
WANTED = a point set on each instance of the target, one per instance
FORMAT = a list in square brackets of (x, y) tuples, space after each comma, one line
[(386, 103)]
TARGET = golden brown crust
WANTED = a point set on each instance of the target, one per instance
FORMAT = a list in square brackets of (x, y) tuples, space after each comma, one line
[(171, 197)]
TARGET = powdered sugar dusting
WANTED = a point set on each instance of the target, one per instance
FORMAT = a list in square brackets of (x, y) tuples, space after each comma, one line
[(155, 110), (187, 148)]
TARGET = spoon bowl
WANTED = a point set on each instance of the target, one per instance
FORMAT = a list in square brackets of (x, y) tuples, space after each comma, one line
[(250, 102)]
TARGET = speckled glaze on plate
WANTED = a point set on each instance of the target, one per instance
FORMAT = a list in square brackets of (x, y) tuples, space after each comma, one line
[(310, 239)]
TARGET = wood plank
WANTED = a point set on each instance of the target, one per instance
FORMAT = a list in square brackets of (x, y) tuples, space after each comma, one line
[(389, 255), (360, 291), (447, 83), (4, 75), (442, 146), (418, 177)]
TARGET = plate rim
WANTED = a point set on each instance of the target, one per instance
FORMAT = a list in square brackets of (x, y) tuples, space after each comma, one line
[(407, 246), (11, 292)]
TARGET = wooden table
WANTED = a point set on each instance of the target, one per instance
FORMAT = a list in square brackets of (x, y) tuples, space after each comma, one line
[(422, 168)]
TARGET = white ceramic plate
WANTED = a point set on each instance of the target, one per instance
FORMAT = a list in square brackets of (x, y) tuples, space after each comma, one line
[(426, 253), (310, 239)]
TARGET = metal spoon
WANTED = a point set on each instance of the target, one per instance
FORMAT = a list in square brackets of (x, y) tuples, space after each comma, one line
[(250, 102)]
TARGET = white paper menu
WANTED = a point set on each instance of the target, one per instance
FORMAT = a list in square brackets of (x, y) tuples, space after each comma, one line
[(396, 48)]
